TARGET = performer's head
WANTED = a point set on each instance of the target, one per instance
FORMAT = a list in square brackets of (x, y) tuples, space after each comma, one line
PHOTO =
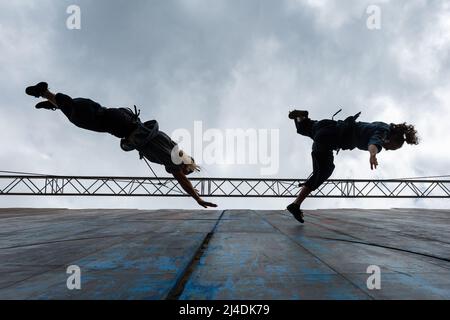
[(399, 134), (190, 167), (188, 163)]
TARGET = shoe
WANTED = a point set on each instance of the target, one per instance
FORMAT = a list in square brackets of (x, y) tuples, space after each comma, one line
[(37, 90), (298, 114), (46, 105), (296, 212)]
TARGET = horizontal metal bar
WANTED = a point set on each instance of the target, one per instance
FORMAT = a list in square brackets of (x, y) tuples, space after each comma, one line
[(216, 179), (108, 186), (219, 196)]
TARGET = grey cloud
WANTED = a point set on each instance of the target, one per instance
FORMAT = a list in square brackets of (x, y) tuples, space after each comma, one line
[(228, 63)]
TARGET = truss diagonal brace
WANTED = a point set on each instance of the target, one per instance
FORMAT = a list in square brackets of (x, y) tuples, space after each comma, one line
[(217, 187)]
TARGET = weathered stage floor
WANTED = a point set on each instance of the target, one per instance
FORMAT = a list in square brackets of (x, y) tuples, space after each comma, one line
[(237, 254)]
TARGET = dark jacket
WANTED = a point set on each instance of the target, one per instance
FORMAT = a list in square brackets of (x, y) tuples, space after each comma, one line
[(352, 134), (153, 144)]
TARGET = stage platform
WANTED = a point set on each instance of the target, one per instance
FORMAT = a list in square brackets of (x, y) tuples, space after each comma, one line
[(231, 254)]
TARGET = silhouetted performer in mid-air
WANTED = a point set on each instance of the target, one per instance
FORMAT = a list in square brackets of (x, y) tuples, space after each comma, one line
[(146, 138), (330, 135)]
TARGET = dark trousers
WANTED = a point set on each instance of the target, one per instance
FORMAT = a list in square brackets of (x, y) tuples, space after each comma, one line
[(324, 133), (90, 115)]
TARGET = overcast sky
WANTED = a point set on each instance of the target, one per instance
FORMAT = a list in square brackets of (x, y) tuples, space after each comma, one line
[(230, 64)]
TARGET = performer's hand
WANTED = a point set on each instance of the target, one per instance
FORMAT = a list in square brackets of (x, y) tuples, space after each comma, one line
[(205, 204), (373, 162)]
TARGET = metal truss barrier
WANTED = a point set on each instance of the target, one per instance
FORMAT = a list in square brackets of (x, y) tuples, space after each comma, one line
[(21, 185)]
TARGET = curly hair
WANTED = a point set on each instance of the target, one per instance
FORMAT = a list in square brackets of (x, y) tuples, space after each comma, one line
[(401, 133)]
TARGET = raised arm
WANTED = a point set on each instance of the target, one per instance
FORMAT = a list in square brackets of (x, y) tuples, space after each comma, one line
[(189, 188)]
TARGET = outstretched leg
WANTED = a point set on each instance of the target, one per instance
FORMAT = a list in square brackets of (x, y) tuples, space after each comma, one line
[(51, 97), (41, 90), (53, 101), (57, 101), (304, 193), (323, 167), (86, 113)]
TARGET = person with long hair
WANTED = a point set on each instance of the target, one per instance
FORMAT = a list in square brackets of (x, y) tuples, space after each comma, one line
[(330, 135), (146, 138)]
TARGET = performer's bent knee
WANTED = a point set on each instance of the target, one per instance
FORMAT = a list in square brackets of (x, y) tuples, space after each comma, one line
[(310, 185), (318, 178), (314, 183)]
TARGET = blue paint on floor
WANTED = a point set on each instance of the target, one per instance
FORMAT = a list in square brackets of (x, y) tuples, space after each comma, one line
[(133, 254)]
